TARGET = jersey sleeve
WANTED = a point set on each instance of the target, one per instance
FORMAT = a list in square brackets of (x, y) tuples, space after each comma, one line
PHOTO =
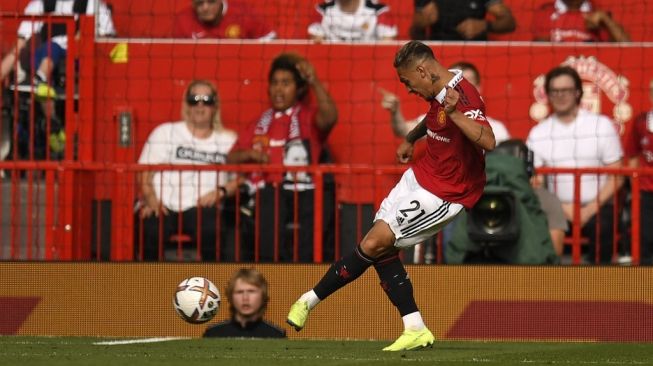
[(609, 142), (532, 145), (471, 104), (386, 27), (260, 28), (631, 143), (105, 26), (315, 28), (542, 22)]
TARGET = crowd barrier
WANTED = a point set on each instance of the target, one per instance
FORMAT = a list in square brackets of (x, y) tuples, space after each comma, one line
[(52, 215)]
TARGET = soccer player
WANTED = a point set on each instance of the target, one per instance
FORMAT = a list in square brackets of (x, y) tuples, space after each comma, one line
[(450, 177)]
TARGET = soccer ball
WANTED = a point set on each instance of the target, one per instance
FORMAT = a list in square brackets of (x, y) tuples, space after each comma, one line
[(196, 300)]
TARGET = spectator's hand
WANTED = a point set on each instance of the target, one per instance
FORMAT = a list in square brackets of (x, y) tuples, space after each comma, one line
[(405, 152), (317, 39), (258, 156), (307, 71), (210, 199), (586, 212), (152, 206), (390, 101), (451, 100), (568, 209), (470, 28), (594, 19), (537, 181)]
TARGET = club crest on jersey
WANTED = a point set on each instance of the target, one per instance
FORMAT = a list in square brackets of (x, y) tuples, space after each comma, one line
[(442, 117)]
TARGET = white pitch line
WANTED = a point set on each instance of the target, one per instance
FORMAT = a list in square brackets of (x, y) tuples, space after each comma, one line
[(141, 340)]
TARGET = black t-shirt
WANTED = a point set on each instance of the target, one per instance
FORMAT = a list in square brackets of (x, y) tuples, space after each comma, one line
[(233, 329), (452, 13)]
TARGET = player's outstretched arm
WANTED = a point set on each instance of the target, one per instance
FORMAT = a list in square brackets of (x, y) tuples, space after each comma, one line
[(479, 134), (405, 150)]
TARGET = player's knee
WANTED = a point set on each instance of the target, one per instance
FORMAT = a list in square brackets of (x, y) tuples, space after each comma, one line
[(375, 248)]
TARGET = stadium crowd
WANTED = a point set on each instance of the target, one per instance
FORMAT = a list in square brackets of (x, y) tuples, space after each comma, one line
[(276, 208)]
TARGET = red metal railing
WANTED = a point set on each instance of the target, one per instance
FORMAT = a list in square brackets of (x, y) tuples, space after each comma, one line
[(55, 230)]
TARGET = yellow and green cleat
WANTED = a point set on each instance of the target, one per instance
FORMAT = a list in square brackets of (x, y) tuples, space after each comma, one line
[(412, 340), (298, 314)]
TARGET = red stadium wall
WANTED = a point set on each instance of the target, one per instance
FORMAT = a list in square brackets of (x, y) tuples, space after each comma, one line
[(457, 302), (154, 18)]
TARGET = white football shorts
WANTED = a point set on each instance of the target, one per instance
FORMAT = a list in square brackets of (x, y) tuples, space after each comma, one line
[(413, 213)]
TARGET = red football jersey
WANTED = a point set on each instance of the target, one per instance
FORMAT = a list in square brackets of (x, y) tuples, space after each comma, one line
[(638, 142), (238, 21), (567, 26), (453, 167), (275, 140)]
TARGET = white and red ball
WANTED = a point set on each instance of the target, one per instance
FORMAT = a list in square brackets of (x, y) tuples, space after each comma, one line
[(196, 300)]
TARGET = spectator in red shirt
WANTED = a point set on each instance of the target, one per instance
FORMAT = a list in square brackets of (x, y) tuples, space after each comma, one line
[(576, 21), (291, 132), (217, 19), (638, 149)]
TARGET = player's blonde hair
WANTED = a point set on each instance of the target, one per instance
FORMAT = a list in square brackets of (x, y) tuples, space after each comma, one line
[(217, 120)]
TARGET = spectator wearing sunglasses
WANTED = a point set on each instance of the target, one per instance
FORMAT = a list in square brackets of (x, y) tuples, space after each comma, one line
[(219, 19), (291, 132), (185, 201)]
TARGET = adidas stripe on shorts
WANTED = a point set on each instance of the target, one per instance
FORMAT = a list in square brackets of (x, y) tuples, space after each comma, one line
[(413, 213)]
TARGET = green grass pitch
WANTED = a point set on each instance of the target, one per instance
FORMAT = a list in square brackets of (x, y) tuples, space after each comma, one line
[(53, 351)]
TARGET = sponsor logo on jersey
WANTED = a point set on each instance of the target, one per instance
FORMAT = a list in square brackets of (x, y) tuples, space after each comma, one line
[(475, 114), (434, 135), (400, 220)]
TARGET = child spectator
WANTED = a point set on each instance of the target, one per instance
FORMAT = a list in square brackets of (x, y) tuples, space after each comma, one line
[(291, 132), (247, 292)]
